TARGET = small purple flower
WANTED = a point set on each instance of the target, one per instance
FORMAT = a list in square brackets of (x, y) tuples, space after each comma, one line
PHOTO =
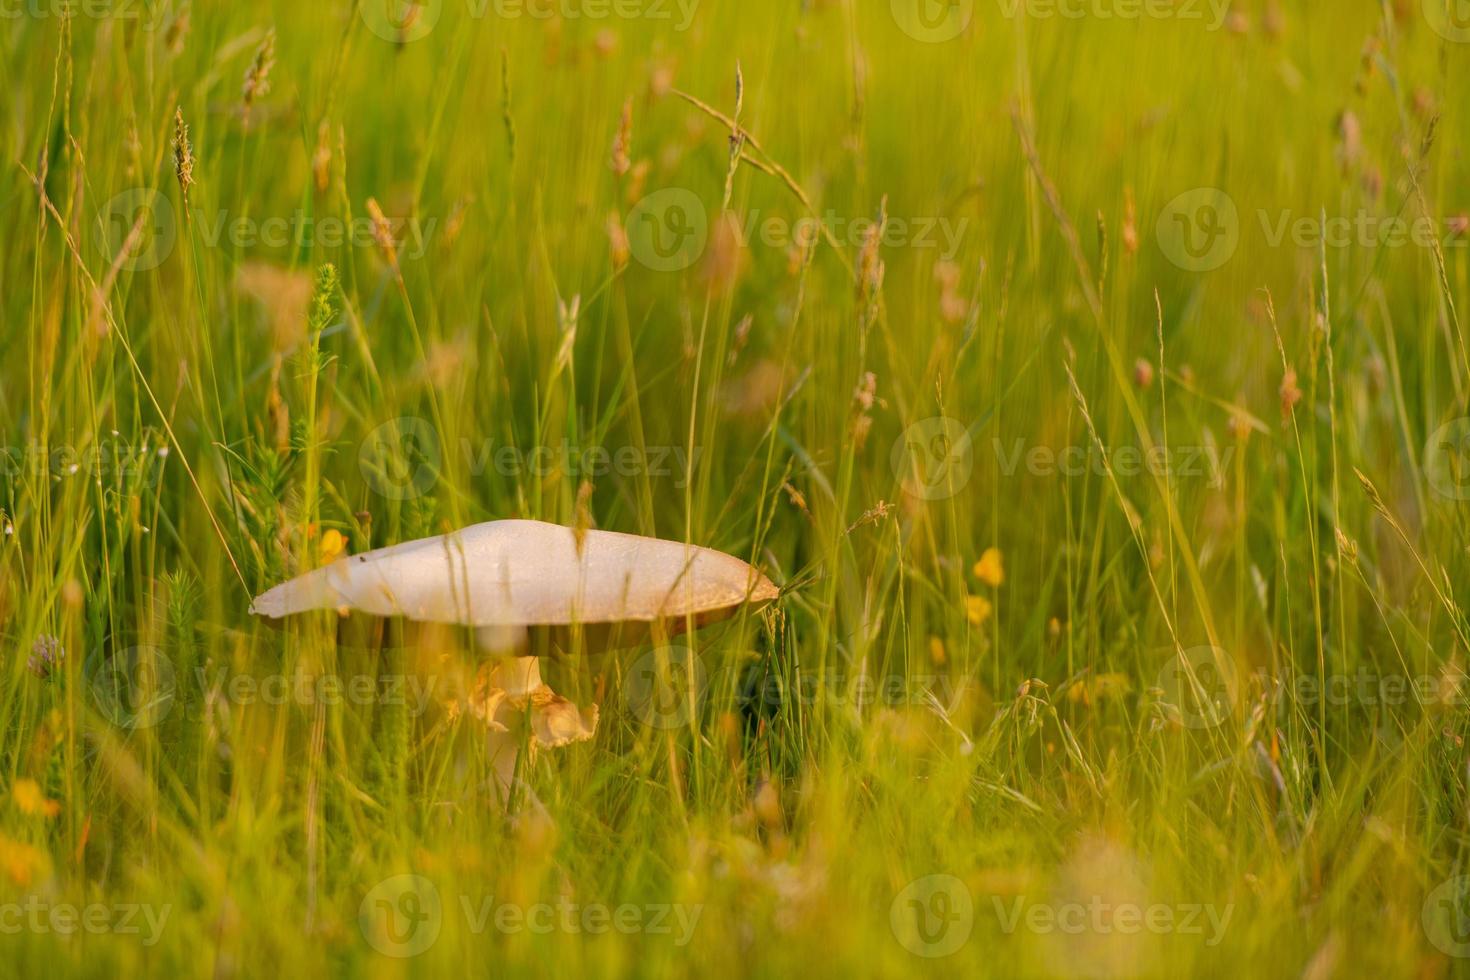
[(47, 655)]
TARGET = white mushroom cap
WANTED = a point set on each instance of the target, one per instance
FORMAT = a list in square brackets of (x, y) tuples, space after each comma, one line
[(527, 573)]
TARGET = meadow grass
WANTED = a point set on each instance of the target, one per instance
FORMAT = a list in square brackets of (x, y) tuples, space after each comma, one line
[(1107, 438)]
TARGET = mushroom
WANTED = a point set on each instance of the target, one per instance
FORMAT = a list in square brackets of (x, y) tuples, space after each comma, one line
[(503, 577)]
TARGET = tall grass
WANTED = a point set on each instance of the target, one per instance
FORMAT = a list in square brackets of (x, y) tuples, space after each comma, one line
[(1232, 682)]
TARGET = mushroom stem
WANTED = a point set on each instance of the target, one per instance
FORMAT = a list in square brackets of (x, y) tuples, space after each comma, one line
[(518, 677), (504, 751)]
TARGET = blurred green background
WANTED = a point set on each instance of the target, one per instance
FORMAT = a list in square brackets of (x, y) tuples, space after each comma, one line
[(1089, 373)]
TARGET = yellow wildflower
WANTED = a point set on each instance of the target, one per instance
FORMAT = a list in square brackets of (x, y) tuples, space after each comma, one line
[(20, 861), (333, 545), (990, 569), (30, 800), (977, 609)]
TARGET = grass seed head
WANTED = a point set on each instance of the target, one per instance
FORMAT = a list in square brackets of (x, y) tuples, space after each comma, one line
[(1290, 393), (258, 76), (321, 158), (47, 656), (623, 141), (183, 153), (383, 232), (617, 237), (1143, 373), (177, 31)]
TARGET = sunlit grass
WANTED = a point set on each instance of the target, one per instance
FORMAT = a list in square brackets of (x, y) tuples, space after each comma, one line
[(1119, 512)]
